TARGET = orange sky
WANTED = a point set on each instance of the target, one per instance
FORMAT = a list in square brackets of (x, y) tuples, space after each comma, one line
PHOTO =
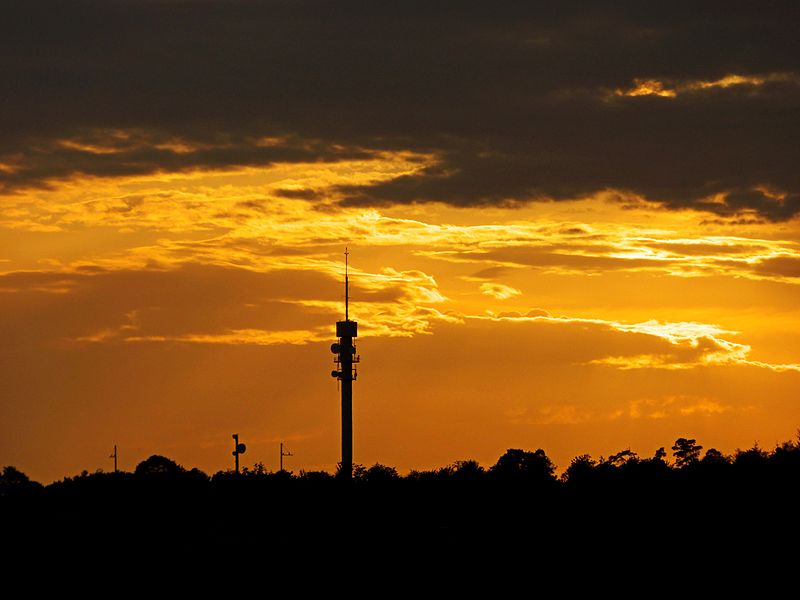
[(162, 314), (572, 226)]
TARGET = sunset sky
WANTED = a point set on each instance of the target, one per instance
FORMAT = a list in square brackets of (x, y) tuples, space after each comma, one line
[(573, 227)]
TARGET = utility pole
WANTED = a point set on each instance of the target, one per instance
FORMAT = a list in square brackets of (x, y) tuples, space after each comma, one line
[(237, 450), (287, 453), (114, 456)]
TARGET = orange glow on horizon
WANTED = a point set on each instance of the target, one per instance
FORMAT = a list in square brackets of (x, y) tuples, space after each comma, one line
[(163, 312)]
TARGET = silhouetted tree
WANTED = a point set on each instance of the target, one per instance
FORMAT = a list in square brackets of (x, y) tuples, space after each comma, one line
[(786, 456), (714, 457), (521, 466), (376, 474), (258, 470), (751, 460), (467, 471), (358, 473), (316, 476), (197, 475), (15, 483), (442, 474), (580, 471), (13, 476), (223, 475), (686, 452), (158, 466), (622, 458), (654, 472)]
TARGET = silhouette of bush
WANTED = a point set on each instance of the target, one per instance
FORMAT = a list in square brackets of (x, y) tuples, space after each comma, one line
[(751, 464), (715, 457), (316, 477), (786, 457), (197, 476), (224, 475), (581, 471), (429, 477), (752, 458), (376, 474), (258, 470), (158, 466), (467, 471), (16, 484), (522, 467)]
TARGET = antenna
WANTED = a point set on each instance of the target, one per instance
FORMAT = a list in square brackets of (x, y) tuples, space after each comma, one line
[(287, 453), (114, 456), (346, 286), (237, 450), (345, 359)]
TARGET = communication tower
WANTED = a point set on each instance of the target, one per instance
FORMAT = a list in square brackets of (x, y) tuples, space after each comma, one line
[(346, 372)]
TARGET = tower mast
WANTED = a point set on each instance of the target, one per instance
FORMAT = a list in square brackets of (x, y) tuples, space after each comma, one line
[(345, 358)]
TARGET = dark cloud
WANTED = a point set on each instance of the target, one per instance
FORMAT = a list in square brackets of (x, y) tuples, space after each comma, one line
[(551, 257), (44, 160), (574, 231), (783, 266), (303, 194), (490, 273), (516, 100), (703, 249)]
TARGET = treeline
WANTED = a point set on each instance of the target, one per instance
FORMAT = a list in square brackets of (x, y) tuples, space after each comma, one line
[(684, 495), (685, 463)]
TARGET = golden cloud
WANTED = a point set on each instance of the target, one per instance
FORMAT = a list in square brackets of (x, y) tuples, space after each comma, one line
[(672, 89), (499, 291)]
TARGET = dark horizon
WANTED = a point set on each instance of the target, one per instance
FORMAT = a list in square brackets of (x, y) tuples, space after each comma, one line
[(703, 512), (686, 453)]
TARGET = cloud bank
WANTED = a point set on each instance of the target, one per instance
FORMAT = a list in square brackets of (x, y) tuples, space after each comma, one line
[(499, 103)]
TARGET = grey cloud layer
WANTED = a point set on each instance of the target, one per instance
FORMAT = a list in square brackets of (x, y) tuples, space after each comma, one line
[(515, 100)]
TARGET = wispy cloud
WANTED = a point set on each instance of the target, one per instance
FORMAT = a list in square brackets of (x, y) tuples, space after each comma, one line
[(673, 407), (499, 291), (673, 88), (682, 345)]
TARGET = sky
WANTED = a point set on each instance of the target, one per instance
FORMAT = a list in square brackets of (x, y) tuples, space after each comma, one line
[(572, 226)]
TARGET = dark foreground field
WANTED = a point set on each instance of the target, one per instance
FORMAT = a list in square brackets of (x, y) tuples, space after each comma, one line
[(694, 517)]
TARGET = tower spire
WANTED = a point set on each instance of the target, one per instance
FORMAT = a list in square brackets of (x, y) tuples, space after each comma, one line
[(346, 287)]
